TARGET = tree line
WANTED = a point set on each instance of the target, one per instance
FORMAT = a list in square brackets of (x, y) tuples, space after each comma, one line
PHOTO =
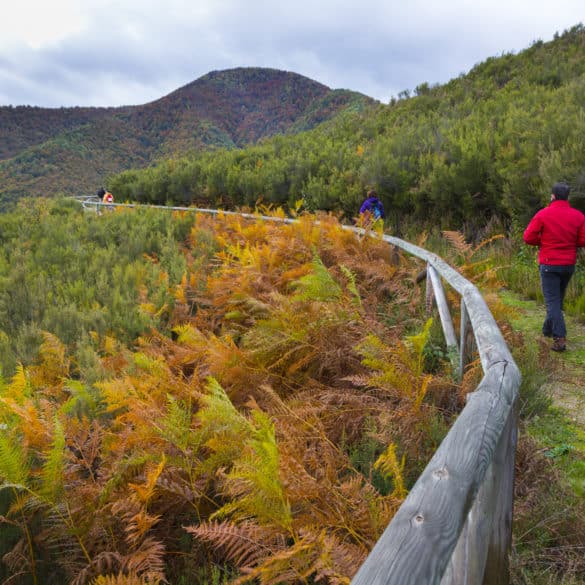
[(487, 143)]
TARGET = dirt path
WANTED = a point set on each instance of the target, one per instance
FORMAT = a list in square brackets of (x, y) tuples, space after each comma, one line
[(567, 381)]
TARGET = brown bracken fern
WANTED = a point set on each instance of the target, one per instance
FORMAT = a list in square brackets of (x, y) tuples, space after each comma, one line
[(236, 436)]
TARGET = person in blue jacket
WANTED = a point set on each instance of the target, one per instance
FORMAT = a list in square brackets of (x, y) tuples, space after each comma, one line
[(372, 206)]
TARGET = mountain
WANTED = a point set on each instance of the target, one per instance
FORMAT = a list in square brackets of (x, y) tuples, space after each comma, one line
[(72, 150), (489, 143)]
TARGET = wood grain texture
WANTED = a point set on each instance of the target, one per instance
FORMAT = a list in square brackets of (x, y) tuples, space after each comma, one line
[(443, 308)]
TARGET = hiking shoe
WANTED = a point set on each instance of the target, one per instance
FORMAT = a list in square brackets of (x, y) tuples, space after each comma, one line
[(559, 344)]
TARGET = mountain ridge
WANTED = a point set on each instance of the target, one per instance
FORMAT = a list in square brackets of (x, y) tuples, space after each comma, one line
[(48, 151)]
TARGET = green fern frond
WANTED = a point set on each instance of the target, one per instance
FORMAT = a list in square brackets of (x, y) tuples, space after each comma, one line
[(223, 429), (218, 414), (127, 470), (14, 463), (318, 285), (52, 482), (254, 480), (389, 467), (20, 383), (374, 352), (399, 368), (188, 335), (154, 366), (81, 400), (351, 285), (175, 426), (417, 343)]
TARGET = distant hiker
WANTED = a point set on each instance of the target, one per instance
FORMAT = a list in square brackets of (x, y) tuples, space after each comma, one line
[(372, 206), (105, 196), (558, 230)]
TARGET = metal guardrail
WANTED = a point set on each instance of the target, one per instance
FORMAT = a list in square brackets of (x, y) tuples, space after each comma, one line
[(455, 526)]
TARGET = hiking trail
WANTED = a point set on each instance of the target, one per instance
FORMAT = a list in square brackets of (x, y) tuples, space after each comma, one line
[(566, 383)]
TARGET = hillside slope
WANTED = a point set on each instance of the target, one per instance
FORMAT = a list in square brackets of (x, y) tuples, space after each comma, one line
[(72, 150), (486, 144)]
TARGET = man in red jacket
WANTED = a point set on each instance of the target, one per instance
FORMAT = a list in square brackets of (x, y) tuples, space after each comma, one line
[(558, 230)]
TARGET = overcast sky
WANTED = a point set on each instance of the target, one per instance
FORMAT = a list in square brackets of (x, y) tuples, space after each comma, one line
[(129, 52)]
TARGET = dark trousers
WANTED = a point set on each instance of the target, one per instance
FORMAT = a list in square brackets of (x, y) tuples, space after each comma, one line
[(554, 281)]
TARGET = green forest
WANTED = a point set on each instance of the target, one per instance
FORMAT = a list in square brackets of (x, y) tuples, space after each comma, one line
[(70, 151), (203, 399), (490, 142)]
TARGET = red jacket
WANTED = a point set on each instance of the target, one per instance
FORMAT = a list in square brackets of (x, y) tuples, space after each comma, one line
[(558, 229)]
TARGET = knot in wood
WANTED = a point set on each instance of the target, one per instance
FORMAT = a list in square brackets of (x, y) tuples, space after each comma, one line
[(419, 518), (441, 473)]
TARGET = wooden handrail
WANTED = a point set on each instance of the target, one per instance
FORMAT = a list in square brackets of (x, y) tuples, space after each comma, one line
[(455, 525)]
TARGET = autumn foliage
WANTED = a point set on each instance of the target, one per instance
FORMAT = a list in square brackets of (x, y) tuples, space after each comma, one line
[(266, 434)]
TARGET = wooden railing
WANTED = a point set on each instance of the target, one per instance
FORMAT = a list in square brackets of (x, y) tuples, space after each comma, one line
[(455, 525)]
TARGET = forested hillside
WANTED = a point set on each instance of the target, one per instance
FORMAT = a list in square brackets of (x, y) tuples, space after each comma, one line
[(73, 150), (489, 142), (204, 400)]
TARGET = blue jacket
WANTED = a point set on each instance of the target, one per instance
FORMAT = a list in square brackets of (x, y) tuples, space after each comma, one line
[(374, 206)]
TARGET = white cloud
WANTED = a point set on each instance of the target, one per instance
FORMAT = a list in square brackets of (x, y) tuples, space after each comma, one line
[(35, 24), (113, 52)]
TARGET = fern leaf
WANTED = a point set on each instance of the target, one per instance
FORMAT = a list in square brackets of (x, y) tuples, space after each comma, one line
[(19, 385), (318, 285), (188, 335), (146, 490), (487, 242), (175, 427), (352, 286), (53, 470), (254, 483), (312, 558), (219, 416), (387, 464), (81, 400), (147, 561), (246, 544), (153, 366), (126, 579), (457, 240), (14, 464), (418, 342)]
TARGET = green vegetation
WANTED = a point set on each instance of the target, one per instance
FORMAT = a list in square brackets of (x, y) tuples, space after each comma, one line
[(194, 399), (241, 401), (71, 151), (549, 509), (71, 274), (489, 143)]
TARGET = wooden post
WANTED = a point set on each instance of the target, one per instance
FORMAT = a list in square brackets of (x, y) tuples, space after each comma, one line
[(443, 308), (429, 297), (464, 326), (497, 569)]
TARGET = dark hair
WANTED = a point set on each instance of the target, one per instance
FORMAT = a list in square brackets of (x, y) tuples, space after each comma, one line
[(561, 190), (372, 193), (101, 192)]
